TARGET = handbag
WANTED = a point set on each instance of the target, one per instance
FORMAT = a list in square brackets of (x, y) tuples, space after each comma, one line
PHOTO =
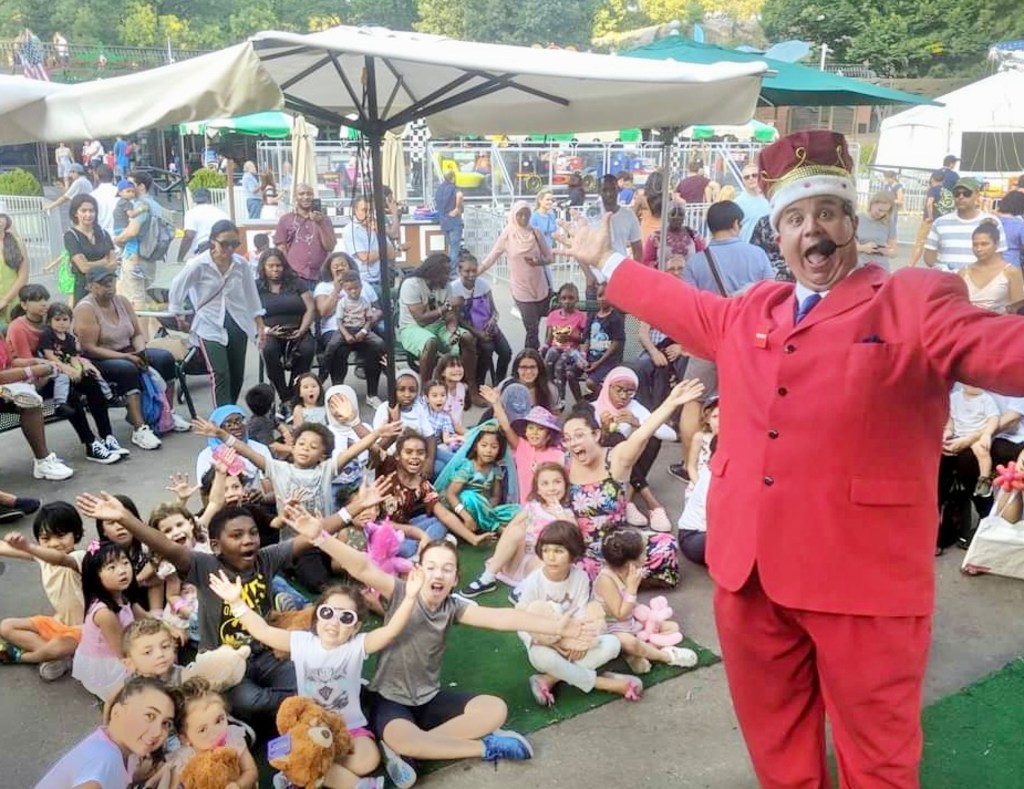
[(997, 547)]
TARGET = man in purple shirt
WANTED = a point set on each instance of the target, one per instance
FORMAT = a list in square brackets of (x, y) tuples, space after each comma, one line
[(305, 236)]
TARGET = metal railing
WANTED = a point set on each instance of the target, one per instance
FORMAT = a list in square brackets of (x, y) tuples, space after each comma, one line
[(40, 231), (76, 62)]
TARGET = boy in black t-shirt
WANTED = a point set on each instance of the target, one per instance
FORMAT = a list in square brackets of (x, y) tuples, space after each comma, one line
[(605, 340), (59, 346)]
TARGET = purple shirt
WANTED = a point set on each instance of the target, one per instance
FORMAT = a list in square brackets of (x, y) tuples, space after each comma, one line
[(306, 253)]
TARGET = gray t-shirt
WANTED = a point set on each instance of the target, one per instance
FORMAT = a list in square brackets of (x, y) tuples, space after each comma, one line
[(873, 231), (415, 291), (625, 229), (409, 671), (312, 486), (216, 625)]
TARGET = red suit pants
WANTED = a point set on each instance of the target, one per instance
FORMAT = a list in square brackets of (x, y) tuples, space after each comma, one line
[(788, 668)]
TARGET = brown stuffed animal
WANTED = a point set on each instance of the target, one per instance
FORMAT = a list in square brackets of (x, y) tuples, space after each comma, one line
[(291, 620), (319, 738), (549, 610), (216, 769)]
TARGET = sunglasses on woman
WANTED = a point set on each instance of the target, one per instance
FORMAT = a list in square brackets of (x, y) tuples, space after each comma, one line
[(325, 613)]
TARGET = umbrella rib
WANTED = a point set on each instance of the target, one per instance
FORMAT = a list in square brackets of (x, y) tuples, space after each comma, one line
[(304, 73), (303, 106), (391, 98), (395, 73), (507, 81), (285, 53), (356, 102), (423, 111), (414, 111)]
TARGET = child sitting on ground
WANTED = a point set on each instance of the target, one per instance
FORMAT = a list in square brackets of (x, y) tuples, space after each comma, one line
[(566, 326), (410, 410), (309, 401), (126, 209), (559, 581), (329, 662), (451, 373), (413, 716), (480, 482), (204, 725), (264, 423), (616, 587), (973, 419), (514, 557), (106, 575), (49, 641), (445, 435), (60, 347), (604, 342)]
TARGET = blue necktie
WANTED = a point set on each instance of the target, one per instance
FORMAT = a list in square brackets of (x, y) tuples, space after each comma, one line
[(806, 306)]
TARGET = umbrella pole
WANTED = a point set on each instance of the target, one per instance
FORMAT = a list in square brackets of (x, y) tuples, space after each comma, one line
[(668, 137), (376, 141)]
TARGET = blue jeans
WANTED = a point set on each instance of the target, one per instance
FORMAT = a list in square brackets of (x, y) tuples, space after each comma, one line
[(453, 240), (432, 526), (253, 206), (442, 456)]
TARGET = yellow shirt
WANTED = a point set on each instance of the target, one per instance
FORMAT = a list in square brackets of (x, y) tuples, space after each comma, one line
[(63, 587)]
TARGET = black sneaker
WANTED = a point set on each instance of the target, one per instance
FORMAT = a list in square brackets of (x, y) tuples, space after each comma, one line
[(678, 470), (10, 514), (477, 588), (98, 452)]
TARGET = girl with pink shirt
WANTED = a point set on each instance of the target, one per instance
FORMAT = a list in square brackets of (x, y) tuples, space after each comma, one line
[(533, 439), (528, 253)]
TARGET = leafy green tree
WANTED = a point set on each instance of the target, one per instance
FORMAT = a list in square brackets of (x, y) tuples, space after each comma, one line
[(442, 17)]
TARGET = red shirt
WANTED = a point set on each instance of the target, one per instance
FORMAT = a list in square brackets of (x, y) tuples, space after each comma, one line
[(567, 329), (23, 339)]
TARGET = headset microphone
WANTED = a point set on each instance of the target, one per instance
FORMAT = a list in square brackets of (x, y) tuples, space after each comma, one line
[(827, 246)]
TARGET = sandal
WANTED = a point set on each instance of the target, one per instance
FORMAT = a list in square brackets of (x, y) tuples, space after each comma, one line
[(541, 693), (634, 692)]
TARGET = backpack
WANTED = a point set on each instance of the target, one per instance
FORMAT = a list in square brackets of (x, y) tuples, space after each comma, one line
[(944, 203), (156, 412), (156, 240)]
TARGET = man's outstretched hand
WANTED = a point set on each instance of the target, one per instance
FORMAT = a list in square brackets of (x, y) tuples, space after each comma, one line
[(590, 245)]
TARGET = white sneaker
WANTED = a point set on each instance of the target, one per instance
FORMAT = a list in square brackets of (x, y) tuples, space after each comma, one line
[(145, 438), (52, 670), (50, 467), (115, 446), (634, 517), (99, 452), (180, 425), (373, 402), (681, 656)]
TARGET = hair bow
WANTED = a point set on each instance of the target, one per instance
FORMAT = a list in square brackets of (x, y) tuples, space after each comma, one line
[(93, 547), (1009, 477)]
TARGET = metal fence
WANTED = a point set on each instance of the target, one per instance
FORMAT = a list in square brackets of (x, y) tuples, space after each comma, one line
[(79, 62), (42, 232)]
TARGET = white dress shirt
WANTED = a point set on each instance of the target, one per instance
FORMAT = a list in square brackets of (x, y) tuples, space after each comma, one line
[(201, 280)]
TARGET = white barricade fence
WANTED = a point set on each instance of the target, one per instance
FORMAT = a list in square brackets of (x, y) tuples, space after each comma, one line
[(41, 231)]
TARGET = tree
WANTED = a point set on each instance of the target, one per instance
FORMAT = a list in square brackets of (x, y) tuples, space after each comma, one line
[(835, 23), (394, 14), (442, 17)]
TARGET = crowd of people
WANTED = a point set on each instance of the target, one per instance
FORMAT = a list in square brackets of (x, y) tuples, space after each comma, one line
[(294, 486)]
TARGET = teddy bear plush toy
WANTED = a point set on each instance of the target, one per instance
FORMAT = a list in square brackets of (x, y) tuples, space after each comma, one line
[(224, 666), (215, 769), (383, 542), (312, 739), (652, 618)]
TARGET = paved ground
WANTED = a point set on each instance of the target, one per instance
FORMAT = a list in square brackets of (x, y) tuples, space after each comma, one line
[(683, 733)]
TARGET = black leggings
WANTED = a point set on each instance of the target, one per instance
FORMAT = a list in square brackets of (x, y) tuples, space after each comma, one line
[(301, 353), (533, 312), (644, 463), (76, 412), (125, 377), (958, 476)]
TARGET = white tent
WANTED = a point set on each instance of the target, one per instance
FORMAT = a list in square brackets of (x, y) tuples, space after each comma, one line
[(920, 137), (23, 105)]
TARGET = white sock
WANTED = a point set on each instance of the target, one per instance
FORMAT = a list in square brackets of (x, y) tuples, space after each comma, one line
[(487, 577)]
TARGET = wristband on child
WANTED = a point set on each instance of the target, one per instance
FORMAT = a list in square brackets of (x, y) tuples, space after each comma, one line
[(231, 441), (346, 516), (321, 538), (460, 509), (178, 604), (29, 375), (239, 609), (628, 597)]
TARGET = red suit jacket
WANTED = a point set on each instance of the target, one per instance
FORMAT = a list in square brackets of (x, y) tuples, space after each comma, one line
[(831, 431)]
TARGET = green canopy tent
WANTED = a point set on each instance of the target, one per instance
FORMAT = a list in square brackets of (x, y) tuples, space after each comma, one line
[(755, 130), (790, 85)]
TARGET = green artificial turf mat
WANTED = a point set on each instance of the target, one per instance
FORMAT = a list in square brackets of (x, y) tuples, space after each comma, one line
[(976, 737), (485, 661)]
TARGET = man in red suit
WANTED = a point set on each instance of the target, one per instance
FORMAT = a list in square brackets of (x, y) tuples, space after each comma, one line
[(822, 512)]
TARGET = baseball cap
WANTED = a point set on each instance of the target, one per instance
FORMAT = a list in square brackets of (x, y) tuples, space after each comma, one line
[(951, 159), (971, 184), (98, 274), (124, 183)]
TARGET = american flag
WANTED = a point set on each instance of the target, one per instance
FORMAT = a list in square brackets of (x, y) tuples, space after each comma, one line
[(32, 60)]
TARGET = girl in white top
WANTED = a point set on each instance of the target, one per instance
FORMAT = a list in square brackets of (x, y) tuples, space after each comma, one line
[(558, 580), (992, 283), (700, 446), (329, 662), (141, 716)]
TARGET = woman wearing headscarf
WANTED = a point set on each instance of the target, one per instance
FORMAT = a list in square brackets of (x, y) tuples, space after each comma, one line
[(232, 419), (528, 253), (619, 413)]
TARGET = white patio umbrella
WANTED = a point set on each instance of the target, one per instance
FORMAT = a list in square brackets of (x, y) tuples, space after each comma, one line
[(376, 80), (303, 155), (23, 105)]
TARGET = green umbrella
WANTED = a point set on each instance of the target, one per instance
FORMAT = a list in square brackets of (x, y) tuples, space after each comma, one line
[(755, 130), (791, 85), (264, 124)]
